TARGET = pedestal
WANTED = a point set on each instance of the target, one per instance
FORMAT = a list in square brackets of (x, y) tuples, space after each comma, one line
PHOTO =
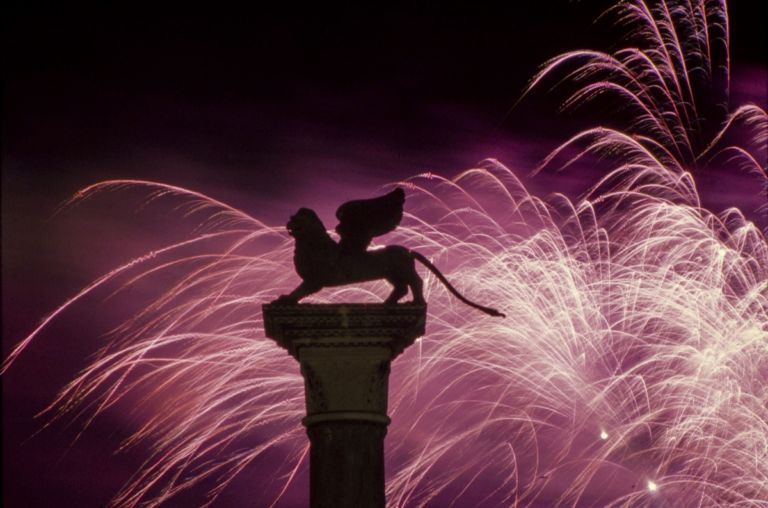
[(345, 351)]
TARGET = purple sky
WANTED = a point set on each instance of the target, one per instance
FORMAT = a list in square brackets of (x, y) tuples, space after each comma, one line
[(265, 110)]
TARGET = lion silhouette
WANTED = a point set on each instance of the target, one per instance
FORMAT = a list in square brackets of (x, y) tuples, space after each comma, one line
[(321, 262)]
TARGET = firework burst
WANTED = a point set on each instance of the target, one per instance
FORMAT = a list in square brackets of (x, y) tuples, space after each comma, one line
[(672, 83), (631, 369)]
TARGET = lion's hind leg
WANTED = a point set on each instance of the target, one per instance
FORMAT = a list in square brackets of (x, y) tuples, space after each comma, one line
[(399, 290), (417, 287)]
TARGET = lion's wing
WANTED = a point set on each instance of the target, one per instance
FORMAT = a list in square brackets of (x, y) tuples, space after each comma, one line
[(363, 219)]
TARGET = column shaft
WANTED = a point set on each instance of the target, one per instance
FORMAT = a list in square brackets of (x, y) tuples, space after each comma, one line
[(346, 464)]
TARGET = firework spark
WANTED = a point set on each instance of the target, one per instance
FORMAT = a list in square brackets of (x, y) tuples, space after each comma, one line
[(632, 367), (673, 87)]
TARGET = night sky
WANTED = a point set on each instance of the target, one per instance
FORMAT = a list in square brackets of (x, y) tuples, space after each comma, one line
[(265, 109)]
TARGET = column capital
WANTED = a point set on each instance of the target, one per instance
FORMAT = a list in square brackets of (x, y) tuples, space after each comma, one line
[(344, 325)]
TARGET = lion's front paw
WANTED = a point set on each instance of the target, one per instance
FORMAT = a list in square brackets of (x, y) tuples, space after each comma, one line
[(284, 300)]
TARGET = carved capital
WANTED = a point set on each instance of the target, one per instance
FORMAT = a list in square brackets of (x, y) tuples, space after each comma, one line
[(356, 324), (345, 352)]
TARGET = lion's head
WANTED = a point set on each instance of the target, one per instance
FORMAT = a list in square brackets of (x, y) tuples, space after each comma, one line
[(305, 223)]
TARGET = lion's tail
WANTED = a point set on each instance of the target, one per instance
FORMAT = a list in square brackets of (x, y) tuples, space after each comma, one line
[(432, 268)]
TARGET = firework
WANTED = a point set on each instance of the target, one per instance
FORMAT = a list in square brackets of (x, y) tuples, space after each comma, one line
[(631, 369), (672, 86), (634, 355)]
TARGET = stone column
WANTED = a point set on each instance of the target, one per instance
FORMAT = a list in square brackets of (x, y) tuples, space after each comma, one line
[(345, 351)]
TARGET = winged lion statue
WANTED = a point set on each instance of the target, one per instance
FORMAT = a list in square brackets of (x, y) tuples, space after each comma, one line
[(322, 262)]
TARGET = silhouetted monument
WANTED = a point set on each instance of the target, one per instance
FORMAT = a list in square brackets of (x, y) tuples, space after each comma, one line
[(345, 350)]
